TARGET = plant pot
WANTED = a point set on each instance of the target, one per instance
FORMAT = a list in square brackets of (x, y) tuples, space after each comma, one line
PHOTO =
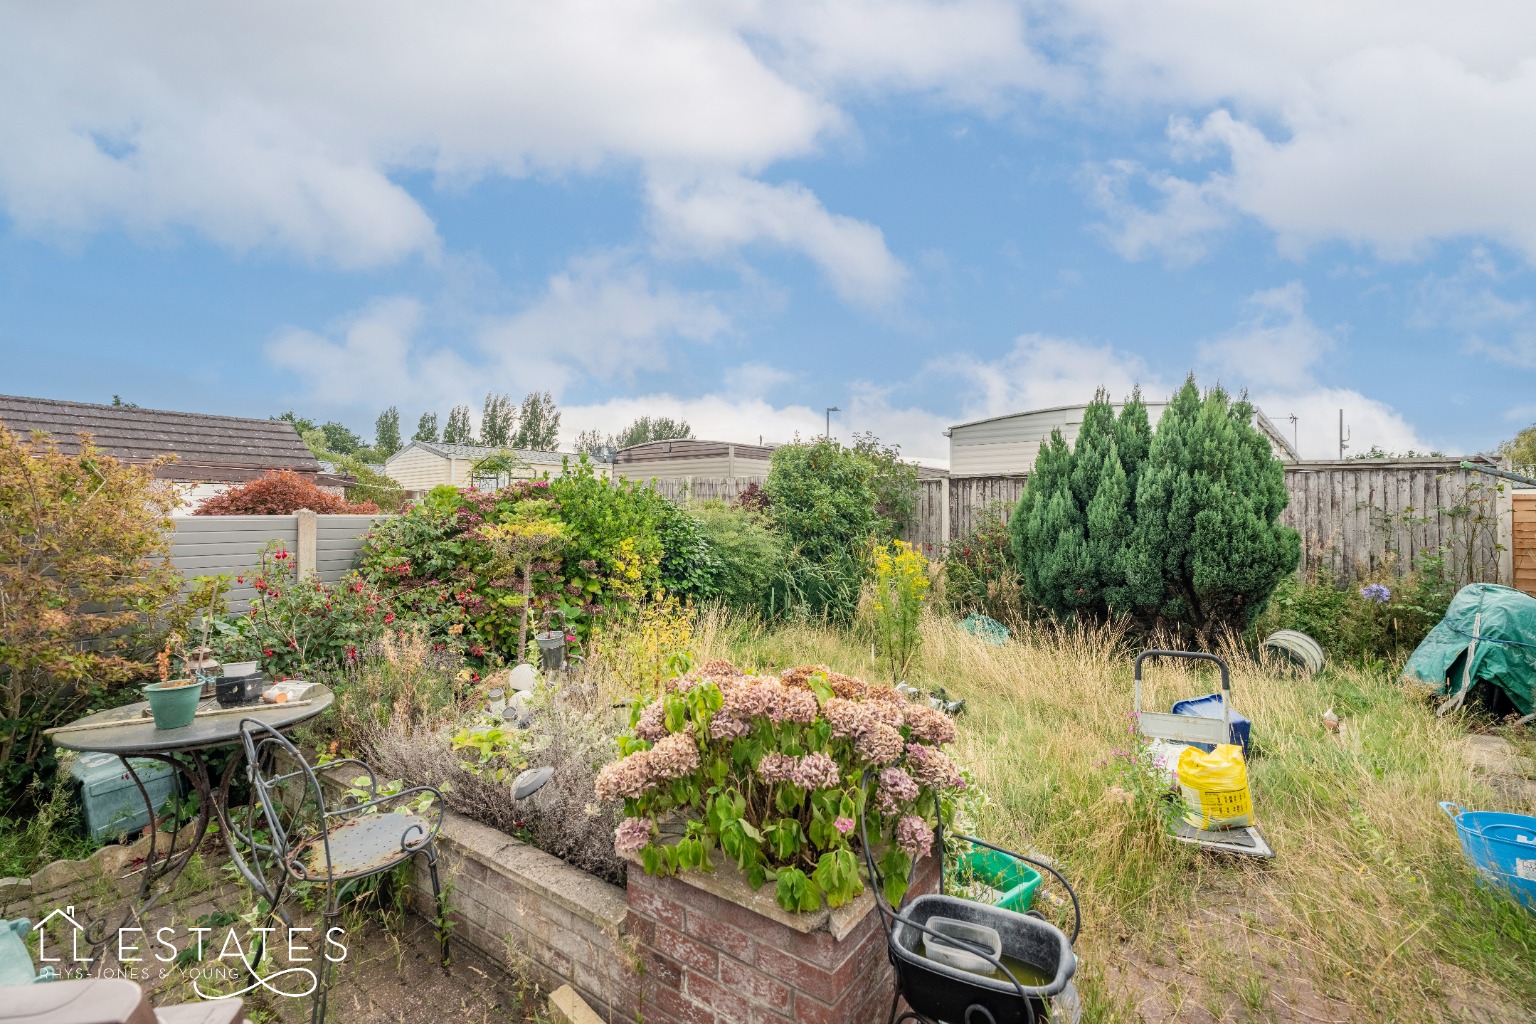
[(174, 704)]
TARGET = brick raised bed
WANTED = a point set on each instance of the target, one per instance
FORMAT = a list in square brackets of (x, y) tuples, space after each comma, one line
[(695, 949)]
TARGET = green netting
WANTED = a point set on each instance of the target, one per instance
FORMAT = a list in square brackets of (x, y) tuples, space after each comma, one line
[(1504, 623)]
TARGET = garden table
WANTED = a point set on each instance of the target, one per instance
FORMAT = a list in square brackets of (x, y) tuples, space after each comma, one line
[(129, 732)]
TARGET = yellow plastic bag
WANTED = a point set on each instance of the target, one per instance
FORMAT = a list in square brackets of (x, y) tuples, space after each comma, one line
[(1215, 788)]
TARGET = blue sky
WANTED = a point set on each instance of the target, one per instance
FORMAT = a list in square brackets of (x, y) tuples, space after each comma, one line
[(742, 213)]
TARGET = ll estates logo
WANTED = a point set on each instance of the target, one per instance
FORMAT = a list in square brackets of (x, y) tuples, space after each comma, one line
[(220, 961)]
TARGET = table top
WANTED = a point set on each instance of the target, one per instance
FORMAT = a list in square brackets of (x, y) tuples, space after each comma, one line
[(137, 734)]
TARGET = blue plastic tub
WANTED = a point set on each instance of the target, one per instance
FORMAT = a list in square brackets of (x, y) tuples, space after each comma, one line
[(1210, 707), (1502, 847)]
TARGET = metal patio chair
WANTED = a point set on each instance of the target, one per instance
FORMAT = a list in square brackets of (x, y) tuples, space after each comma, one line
[(940, 994), (308, 840)]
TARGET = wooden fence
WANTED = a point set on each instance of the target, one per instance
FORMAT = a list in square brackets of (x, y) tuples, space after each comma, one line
[(232, 545), (1355, 517)]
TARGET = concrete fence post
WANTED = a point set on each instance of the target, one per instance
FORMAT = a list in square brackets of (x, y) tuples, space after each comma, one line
[(307, 524)]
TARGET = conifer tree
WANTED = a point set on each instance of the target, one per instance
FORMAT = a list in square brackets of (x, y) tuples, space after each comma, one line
[(1133, 438), (1208, 549), (498, 421), (457, 430), (1046, 528), (538, 423), (386, 432)]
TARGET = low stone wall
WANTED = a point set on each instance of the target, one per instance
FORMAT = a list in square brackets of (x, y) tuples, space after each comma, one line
[(546, 920)]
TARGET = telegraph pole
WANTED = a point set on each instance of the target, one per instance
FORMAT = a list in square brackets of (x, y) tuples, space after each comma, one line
[(832, 409)]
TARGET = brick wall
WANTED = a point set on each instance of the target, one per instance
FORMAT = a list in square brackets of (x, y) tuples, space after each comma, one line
[(715, 952), (547, 921)]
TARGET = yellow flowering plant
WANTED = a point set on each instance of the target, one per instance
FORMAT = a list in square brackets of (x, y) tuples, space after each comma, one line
[(900, 586)]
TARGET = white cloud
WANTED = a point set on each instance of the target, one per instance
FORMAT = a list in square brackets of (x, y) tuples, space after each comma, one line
[(598, 320), (287, 126), (1389, 123), (720, 214), (1274, 355), (1041, 372), (371, 358), (1500, 329)]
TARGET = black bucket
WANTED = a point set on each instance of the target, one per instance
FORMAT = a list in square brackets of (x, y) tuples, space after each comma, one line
[(940, 992)]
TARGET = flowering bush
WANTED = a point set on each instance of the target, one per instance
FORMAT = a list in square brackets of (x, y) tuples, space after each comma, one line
[(279, 493), (448, 562), (775, 773), (295, 624)]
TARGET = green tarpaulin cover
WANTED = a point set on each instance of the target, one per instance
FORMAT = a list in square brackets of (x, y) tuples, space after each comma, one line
[(1506, 648)]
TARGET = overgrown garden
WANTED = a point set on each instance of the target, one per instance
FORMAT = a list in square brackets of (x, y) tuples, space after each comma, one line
[(735, 703)]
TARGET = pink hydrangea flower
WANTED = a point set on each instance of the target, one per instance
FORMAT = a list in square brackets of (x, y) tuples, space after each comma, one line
[(896, 788), (632, 835), (913, 836), (843, 825), (652, 726)]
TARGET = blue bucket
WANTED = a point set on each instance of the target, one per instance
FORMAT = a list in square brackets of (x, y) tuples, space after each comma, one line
[(1209, 706), (1502, 847)]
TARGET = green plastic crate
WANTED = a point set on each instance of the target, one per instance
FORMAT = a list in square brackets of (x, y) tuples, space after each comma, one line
[(1014, 881), (113, 804)]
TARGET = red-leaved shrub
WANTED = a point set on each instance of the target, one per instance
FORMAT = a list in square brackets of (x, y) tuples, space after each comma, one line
[(279, 494)]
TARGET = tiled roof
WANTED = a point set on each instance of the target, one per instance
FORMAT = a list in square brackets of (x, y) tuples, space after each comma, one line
[(208, 447)]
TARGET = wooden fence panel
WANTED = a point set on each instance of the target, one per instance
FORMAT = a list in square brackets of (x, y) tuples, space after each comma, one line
[(1523, 544)]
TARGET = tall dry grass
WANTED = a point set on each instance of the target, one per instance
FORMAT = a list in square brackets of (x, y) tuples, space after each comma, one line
[(1367, 913)]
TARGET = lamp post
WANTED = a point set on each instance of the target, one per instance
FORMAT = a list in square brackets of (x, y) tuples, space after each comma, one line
[(830, 410)]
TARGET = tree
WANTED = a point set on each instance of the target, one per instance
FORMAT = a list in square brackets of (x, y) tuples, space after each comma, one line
[(538, 423), (651, 428), (118, 403), (458, 430), (498, 421), (386, 432), (84, 574), (426, 428), (895, 484), (279, 493), (1520, 450), (300, 424), (1047, 528), (1208, 549), (822, 502), (593, 443), (339, 438)]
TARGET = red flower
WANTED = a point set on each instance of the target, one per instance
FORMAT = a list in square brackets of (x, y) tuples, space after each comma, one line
[(280, 555), (239, 579), (371, 609), (389, 617), (267, 652), (351, 653), (474, 677)]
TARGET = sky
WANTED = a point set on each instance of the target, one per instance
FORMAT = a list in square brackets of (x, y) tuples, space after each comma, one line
[(742, 212)]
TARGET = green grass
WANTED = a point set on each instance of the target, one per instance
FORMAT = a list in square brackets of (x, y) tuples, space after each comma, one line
[(1368, 912)]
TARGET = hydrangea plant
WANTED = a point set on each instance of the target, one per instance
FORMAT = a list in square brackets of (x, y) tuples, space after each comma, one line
[(775, 773)]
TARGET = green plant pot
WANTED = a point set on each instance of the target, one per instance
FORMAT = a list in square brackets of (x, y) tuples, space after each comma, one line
[(1014, 880), (174, 707)]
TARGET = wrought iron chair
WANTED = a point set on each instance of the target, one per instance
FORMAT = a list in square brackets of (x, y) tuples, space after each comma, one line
[(936, 992), (307, 840)]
